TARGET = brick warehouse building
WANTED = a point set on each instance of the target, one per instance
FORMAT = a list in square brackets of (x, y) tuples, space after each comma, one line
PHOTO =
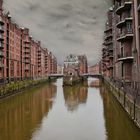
[(107, 50), (125, 19), (83, 64), (21, 57), (126, 56)]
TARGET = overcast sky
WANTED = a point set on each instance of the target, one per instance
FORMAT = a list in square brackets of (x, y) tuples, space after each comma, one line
[(63, 26)]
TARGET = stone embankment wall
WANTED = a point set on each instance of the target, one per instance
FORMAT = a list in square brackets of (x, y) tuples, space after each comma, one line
[(17, 87), (72, 80), (129, 103)]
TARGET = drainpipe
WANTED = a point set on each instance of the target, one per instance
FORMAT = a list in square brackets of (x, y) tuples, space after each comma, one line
[(137, 43)]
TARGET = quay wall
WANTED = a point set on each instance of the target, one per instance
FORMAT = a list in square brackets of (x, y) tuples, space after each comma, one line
[(20, 86), (72, 80), (130, 105)]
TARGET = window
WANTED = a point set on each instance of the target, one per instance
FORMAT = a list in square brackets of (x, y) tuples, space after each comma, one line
[(129, 27)]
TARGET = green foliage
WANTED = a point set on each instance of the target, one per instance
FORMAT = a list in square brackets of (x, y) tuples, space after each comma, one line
[(14, 87)]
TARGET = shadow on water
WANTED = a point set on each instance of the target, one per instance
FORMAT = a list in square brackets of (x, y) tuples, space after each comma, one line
[(75, 95), (21, 114), (118, 125)]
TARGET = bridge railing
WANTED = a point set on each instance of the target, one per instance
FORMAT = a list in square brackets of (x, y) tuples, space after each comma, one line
[(55, 75)]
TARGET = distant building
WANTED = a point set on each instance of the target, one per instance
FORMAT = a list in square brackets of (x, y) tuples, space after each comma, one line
[(94, 69), (75, 65), (59, 69), (52, 64), (83, 65), (71, 65)]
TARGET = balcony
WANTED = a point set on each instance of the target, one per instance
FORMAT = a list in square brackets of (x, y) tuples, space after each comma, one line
[(103, 54), (27, 41), (1, 64), (39, 58), (107, 36), (39, 62), (1, 29), (125, 57), (125, 5), (110, 66), (1, 21), (1, 54), (1, 37), (39, 54), (103, 49), (27, 56), (27, 61), (27, 68), (27, 51), (122, 22), (126, 35), (106, 60), (108, 29), (108, 42), (27, 46), (1, 45), (39, 70), (110, 48), (110, 55), (39, 65)]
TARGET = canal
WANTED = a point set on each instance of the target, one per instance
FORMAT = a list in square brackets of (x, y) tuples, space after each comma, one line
[(51, 112)]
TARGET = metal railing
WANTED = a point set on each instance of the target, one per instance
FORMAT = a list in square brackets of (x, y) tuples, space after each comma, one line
[(131, 89), (124, 55)]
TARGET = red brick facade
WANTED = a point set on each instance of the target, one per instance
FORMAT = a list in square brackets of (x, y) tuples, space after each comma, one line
[(125, 27), (52, 64), (107, 51), (75, 65), (21, 57), (83, 65), (94, 69)]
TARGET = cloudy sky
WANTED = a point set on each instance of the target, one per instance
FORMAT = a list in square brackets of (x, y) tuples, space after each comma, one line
[(63, 26)]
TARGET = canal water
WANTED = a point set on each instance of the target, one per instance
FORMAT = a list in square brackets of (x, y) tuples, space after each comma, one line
[(51, 112)]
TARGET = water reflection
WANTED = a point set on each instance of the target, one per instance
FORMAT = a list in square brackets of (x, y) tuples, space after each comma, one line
[(118, 125), (20, 115), (76, 95), (95, 115)]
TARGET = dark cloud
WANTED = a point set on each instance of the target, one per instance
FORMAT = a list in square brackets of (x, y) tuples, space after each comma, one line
[(63, 26), (33, 7), (58, 15)]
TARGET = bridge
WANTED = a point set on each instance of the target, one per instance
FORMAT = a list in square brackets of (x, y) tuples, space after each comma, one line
[(55, 75), (96, 75)]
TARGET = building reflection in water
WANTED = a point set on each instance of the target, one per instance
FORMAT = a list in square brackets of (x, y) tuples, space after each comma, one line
[(75, 95), (117, 123), (20, 115)]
